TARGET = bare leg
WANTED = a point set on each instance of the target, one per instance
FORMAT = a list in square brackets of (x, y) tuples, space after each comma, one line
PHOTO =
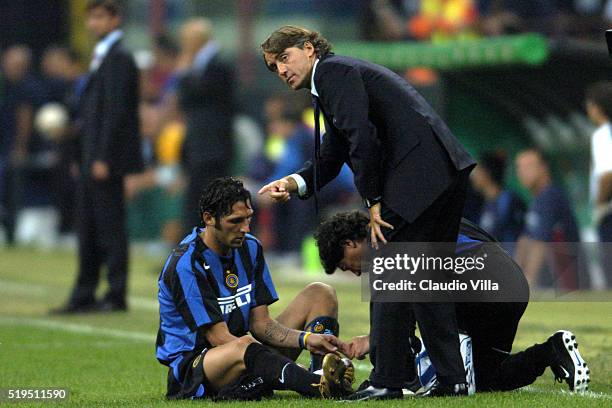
[(224, 364), (315, 300)]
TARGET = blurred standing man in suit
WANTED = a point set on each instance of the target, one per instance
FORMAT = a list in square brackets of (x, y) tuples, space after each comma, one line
[(205, 97), (109, 149), (411, 172)]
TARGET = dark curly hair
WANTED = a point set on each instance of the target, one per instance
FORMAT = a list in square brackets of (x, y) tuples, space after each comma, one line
[(292, 36), (220, 195), (333, 232)]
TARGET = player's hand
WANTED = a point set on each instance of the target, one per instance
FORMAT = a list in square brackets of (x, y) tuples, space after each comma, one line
[(279, 190), (322, 343), (376, 222), (359, 347), (100, 170)]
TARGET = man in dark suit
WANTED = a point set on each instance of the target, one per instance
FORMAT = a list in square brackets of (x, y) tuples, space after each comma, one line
[(109, 149), (410, 170), (205, 96)]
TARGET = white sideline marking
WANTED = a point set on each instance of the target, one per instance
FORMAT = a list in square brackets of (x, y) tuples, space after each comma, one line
[(137, 302), (77, 328)]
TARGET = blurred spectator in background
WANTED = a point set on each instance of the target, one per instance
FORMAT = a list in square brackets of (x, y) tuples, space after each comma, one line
[(550, 237), (514, 16), (422, 20), (165, 55), (109, 149), (23, 94), (503, 211), (155, 196), (289, 144), (441, 20), (599, 109), (60, 67), (206, 100), (62, 75)]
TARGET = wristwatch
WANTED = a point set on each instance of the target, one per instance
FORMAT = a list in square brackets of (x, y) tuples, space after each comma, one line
[(371, 202)]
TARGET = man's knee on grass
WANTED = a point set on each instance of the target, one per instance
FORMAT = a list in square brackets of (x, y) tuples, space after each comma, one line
[(322, 298)]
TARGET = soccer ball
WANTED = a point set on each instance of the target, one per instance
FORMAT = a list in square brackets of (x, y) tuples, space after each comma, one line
[(51, 120)]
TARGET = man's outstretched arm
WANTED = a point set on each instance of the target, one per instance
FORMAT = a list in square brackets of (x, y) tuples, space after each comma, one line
[(270, 332)]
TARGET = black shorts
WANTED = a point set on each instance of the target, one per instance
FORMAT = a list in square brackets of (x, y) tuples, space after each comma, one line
[(192, 383)]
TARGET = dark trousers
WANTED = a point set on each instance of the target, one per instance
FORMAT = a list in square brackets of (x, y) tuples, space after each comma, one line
[(492, 327), (102, 236), (392, 323)]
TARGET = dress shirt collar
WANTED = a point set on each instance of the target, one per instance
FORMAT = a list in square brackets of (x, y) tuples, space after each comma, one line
[(204, 55), (313, 88), (103, 46)]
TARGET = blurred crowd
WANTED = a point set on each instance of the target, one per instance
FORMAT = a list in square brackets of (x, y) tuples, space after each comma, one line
[(440, 20), (192, 131)]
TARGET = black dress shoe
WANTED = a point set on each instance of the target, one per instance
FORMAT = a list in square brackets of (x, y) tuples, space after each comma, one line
[(109, 306), (74, 308), (372, 393), (439, 389)]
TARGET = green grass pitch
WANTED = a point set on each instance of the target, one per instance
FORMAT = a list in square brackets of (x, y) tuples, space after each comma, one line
[(109, 360)]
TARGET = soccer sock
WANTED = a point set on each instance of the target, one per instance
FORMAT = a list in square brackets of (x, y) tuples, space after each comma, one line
[(321, 325), (279, 372)]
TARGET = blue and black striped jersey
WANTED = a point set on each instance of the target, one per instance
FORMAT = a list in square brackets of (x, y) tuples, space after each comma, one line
[(198, 288)]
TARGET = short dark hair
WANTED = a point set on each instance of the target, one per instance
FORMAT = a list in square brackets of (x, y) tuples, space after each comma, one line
[(333, 232), (292, 36), (494, 164), (113, 7), (600, 93), (220, 195)]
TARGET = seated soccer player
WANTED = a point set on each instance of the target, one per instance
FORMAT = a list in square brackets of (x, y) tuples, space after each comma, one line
[(491, 325), (215, 289)]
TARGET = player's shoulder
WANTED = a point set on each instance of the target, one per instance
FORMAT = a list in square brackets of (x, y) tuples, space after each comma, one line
[(184, 251), (333, 63), (252, 244), (120, 54)]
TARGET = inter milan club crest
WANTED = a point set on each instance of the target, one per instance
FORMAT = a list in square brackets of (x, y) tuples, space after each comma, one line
[(231, 280), (318, 328)]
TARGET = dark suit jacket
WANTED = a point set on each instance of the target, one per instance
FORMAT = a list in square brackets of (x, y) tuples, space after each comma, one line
[(397, 146), (207, 100), (108, 115)]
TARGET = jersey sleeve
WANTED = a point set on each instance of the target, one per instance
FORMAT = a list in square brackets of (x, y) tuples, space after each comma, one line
[(265, 292)]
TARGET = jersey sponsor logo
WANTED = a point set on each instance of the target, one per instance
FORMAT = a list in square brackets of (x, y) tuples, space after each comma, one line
[(231, 280), (241, 298)]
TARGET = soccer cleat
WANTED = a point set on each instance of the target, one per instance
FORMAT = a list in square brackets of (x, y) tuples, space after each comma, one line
[(439, 389), (338, 377), (372, 393), (567, 363)]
